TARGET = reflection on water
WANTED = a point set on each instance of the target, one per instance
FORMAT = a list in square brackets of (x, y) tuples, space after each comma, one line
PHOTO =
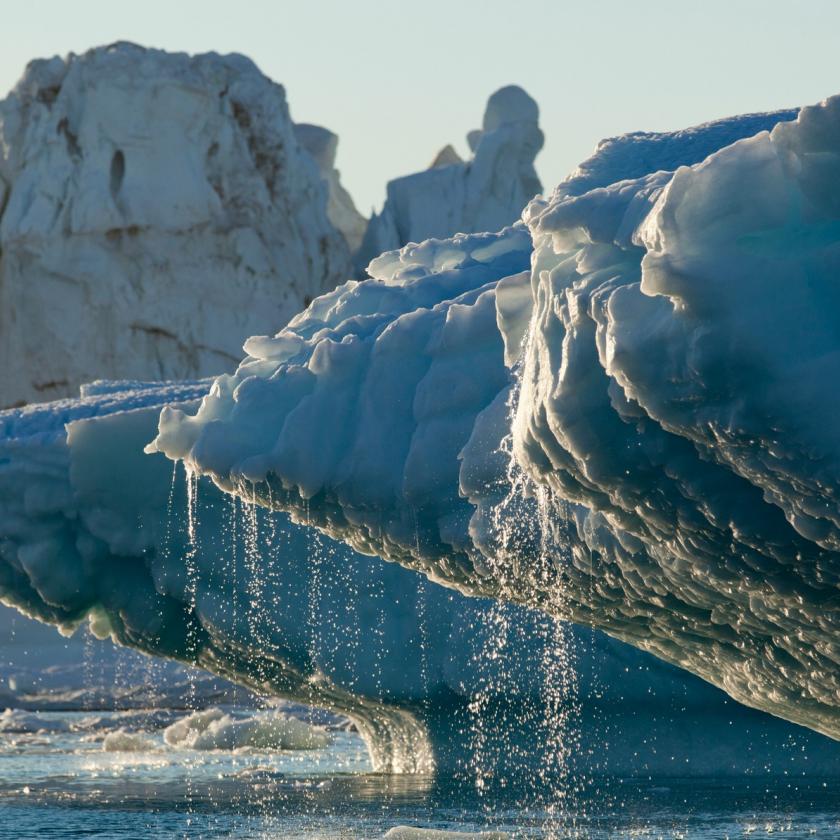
[(60, 782)]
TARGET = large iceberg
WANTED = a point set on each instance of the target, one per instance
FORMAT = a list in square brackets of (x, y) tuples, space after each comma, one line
[(163, 196), (630, 427), (93, 530)]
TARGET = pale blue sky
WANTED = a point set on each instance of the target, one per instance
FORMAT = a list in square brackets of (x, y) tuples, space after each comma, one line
[(396, 80)]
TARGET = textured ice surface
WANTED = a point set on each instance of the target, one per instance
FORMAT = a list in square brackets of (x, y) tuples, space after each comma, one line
[(92, 529), (675, 469), (163, 195), (122, 741), (641, 153)]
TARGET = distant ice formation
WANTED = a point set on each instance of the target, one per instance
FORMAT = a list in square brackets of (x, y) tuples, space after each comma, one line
[(485, 193), (94, 530), (40, 670), (322, 145), (155, 210), (171, 198), (656, 457)]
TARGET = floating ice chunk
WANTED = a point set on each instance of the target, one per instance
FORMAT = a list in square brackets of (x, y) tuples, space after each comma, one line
[(191, 726), (124, 741), (407, 832), (17, 721), (215, 730)]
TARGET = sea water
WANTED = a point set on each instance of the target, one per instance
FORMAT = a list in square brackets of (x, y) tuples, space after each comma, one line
[(57, 779)]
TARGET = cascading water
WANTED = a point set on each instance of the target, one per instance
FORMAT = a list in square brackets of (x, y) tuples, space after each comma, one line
[(533, 547), (191, 600)]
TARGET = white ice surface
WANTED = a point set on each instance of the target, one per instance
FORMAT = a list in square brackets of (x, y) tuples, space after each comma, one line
[(408, 832), (163, 195), (214, 730), (322, 145)]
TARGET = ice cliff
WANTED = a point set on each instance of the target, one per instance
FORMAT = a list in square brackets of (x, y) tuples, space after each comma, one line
[(631, 426), (484, 193), (94, 530), (155, 210)]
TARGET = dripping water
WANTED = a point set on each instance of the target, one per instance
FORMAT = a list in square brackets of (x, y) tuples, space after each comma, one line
[(191, 599), (256, 611), (531, 529), (422, 622), (313, 538), (488, 661)]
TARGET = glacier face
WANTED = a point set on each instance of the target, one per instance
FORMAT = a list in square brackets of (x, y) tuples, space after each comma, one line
[(94, 530), (629, 427), (163, 196)]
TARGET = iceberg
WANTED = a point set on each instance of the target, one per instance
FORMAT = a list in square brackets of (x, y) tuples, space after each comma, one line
[(93, 530), (123, 741), (162, 195), (485, 193), (629, 426), (322, 146)]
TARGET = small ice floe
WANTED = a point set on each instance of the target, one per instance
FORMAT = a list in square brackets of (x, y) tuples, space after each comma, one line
[(17, 721), (214, 730), (408, 832), (124, 741), (146, 719)]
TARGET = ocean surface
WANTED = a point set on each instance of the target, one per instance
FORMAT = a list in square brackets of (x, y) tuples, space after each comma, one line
[(62, 776)]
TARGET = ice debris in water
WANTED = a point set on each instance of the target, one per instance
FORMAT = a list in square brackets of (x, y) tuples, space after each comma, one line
[(122, 740), (407, 832), (213, 729)]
